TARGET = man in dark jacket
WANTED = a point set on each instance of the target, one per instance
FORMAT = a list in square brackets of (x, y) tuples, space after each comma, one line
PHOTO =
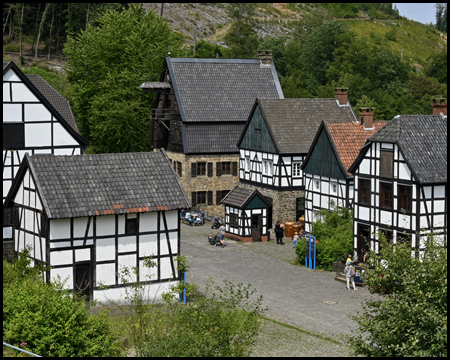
[(279, 233)]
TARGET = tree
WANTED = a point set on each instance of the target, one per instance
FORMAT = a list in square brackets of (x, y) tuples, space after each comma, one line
[(106, 65), (412, 319), (51, 320), (242, 38), (439, 16)]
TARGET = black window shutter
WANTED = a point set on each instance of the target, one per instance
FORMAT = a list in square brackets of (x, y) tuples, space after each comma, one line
[(218, 197), (210, 169), (219, 169), (210, 198), (194, 169), (180, 172), (194, 198), (234, 168)]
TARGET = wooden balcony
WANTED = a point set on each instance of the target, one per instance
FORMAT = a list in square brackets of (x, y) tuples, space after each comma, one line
[(161, 114)]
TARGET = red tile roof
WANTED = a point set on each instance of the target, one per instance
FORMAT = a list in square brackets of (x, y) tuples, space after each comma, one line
[(348, 138)]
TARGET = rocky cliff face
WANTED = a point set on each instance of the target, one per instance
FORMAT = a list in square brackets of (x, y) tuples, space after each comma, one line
[(211, 21)]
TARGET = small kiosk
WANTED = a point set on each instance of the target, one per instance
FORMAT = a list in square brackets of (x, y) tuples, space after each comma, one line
[(247, 215)]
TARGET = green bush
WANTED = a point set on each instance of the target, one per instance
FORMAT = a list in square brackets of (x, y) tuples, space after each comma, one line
[(391, 35), (300, 250), (49, 319), (334, 232), (11, 48), (225, 322)]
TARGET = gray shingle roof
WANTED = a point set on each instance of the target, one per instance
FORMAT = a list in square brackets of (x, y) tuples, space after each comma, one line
[(213, 138), (423, 141), (221, 89), (89, 185), (293, 123), (238, 197), (58, 101)]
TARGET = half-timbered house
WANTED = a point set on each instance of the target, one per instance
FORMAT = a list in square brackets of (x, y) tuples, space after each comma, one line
[(401, 183), (334, 149), (88, 216), (36, 120), (275, 142), (246, 215), (200, 110)]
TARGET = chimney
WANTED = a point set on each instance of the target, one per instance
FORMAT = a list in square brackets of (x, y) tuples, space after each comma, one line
[(439, 106), (341, 94), (366, 118), (265, 56)]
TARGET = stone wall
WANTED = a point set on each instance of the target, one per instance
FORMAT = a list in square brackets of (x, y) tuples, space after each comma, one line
[(206, 183), (283, 202)]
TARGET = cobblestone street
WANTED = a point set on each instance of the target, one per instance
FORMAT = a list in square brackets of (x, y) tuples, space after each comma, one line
[(309, 300)]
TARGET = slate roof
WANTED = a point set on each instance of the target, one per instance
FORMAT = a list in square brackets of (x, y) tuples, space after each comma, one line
[(58, 101), (422, 140), (221, 91), (349, 138), (212, 138), (239, 197), (104, 184), (293, 123)]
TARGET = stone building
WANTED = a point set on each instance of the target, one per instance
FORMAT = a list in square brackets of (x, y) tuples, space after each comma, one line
[(275, 142), (200, 110)]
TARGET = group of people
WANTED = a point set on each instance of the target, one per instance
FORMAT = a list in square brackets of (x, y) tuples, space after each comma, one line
[(198, 218)]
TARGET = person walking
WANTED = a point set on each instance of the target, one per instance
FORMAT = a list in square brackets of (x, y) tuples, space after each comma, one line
[(349, 272), (279, 233), (222, 234)]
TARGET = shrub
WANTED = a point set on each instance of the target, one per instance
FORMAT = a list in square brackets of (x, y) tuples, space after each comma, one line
[(49, 319), (300, 250)]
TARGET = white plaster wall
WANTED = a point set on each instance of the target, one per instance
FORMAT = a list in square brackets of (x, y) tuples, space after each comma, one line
[(106, 249), (166, 269), (404, 171), (65, 273), (12, 112), (61, 257), (439, 191), (36, 112), (105, 274), (146, 273), (148, 222), (438, 221), (11, 76), (83, 254), (79, 227), (439, 206), (172, 219), (59, 229), (20, 92), (61, 136), (105, 225), (127, 243), (6, 92), (364, 213), (127, 261), (117, 295), (38, 134), (364, 167), (147, 245), (385, 217)]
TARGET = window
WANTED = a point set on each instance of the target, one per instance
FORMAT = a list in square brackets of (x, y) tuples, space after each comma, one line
[(247, 163), (226, 168), (234, 220), (201, 197), (316, 185), (179, 169), (220, 194), (386, 195), (333, 188), (404, 198), (387, 164), (403, 238), (296, 171), (131, 226), (13, 136), (364, 191), (201, 168), (299, 207)]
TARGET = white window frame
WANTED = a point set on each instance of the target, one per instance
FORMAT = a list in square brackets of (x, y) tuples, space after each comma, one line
[(296, 169)]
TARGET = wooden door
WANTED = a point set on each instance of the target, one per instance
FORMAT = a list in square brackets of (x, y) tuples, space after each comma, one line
[(256, 227), (83, 280)]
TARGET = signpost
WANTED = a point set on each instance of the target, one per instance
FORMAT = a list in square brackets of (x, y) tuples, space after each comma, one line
[(310, 253)]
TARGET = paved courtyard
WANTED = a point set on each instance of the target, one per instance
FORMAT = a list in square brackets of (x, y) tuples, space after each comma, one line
[(309, 300)]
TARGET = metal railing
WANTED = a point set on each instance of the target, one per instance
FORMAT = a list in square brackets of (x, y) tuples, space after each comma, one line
[(22, 350)]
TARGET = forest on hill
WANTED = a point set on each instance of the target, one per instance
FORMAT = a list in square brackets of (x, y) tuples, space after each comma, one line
[(388, 62)]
